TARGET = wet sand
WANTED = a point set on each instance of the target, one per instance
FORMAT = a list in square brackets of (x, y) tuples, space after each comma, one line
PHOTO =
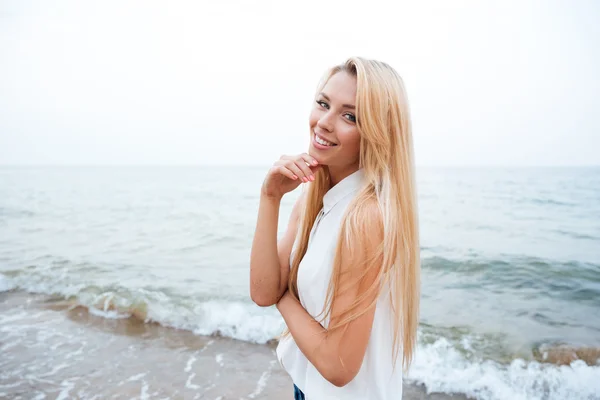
[(52, 349)]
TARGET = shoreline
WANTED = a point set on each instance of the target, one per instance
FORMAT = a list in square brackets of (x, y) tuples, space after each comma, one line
[(51, 347)]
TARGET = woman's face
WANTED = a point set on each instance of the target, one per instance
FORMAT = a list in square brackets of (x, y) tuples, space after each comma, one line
[(335, 140)]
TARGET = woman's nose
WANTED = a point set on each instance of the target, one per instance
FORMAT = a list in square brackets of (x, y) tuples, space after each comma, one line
[(326, 121)]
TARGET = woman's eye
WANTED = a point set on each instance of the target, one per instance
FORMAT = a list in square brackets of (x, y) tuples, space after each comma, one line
[(322, 104), (351, 117)]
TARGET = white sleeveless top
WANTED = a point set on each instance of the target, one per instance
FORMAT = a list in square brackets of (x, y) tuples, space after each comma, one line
[(376, 379)]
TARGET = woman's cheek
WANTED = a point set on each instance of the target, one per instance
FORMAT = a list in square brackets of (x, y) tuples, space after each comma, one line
[(313, 118), (350, 137)]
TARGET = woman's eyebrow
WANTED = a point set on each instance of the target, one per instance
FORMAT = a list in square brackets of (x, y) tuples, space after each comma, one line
[(343, 105)]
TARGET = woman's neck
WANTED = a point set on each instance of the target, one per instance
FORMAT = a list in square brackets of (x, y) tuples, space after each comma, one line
[(338, 173)]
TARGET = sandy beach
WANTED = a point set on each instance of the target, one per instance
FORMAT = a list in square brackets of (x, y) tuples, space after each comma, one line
[(52, 349)]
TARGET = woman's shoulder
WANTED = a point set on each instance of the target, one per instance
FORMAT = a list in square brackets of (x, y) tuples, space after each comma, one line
[(367, 214), (363, 231)]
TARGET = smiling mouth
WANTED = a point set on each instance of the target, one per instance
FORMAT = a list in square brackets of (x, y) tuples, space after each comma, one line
[(323, 142)]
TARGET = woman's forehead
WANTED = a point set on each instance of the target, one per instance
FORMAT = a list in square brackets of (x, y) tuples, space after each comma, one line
[(341, 87)]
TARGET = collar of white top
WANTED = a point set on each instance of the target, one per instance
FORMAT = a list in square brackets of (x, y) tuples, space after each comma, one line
[(346, 186)]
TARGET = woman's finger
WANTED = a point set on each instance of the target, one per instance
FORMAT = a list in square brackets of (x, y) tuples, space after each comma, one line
[(286, 172), (302, 165), (306, 171), (291, 165), (310, 160)]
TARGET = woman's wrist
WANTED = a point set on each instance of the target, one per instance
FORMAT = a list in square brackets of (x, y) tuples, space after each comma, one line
[(282, 301), (274, 199)]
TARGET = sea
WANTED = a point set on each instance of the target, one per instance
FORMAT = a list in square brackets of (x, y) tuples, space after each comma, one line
[(105, 270)]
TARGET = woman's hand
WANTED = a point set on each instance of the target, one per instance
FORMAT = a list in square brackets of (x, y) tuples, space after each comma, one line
[(288, 173)]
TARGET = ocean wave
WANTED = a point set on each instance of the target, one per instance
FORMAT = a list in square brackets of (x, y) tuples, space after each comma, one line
[(442, 364), (234, 319), (442, 367), (574, 280), (548, 201), (575, 235), (15, 212), (6, 284), (507, 263)]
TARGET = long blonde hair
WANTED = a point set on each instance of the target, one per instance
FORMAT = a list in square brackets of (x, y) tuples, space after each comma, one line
[(386, 156)]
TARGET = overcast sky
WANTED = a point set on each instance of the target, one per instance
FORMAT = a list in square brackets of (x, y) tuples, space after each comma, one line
[(231, 82)]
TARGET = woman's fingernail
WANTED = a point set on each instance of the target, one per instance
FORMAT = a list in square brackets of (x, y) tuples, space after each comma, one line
[(295, 177), (312, 177), (304, 179), (315, 162)]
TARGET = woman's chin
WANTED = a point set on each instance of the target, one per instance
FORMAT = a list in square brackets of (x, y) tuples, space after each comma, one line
[(317, 156)]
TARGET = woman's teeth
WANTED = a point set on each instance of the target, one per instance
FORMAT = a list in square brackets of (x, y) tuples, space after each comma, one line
[(322, 141)]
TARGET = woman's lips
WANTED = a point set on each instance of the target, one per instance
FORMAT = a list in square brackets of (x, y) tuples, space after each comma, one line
[(324, 144)]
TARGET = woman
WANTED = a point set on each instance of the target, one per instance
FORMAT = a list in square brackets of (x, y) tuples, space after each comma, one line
[(345, 275)]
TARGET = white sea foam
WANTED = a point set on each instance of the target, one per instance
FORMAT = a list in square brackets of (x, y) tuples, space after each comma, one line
[(189, 384), (219, 359), (442, 368), (237, 320), (67, 385), (144, 391), (190, 362), (108, 314), (262, 381), (6, 284), (439, 365)]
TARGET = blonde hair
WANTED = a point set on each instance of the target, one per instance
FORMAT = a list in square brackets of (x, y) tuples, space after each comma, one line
[(386, 156)]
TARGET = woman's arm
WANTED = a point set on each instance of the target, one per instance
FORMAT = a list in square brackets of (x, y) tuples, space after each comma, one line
[(269, 260), (270, 263), (338, 355)]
